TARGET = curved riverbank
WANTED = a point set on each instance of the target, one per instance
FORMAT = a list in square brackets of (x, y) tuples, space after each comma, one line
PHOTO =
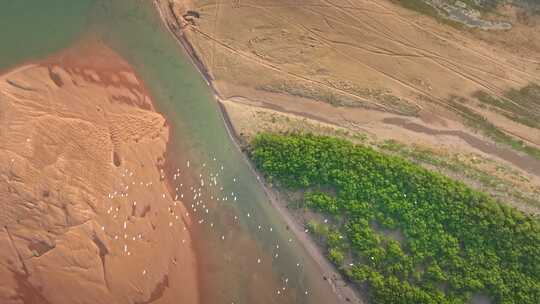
[(328, 271)]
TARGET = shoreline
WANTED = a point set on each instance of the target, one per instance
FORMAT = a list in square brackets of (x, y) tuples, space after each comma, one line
[(90, 70), (329, 272)]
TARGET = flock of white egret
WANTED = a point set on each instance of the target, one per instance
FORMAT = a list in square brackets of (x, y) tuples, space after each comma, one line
[(200, 198)]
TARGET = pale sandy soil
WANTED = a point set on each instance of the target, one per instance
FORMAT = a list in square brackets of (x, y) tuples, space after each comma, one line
[(356, 48), (395, 69), (85, 213), (249, 118)]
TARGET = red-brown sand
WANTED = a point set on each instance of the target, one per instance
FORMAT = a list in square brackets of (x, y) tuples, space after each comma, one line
[(86, 215)]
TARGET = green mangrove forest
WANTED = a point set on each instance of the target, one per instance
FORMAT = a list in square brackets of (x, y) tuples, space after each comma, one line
[(401, 232)]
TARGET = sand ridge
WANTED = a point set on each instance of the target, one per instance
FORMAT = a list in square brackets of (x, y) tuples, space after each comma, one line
[(86, 211)]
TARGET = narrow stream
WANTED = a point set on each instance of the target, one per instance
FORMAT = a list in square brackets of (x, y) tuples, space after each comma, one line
[(248, 255)]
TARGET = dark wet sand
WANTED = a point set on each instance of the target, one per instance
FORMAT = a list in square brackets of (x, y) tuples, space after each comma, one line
[(522, 161)]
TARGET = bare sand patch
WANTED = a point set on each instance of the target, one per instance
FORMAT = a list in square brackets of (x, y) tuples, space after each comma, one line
[(363, 64), (85, 209), (483, 167)]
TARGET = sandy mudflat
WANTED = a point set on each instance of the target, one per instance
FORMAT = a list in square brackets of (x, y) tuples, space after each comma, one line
[(86, 216)]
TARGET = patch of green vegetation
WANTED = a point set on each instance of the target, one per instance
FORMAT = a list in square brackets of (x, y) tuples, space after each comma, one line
[(391, 103), (492, 183), (457, 242), (321, 201), (419, 6), (429, 8), (423, 156), (424, 8), (478, 122), (451, 165), (326, 96), (520, 105), (482, 5), (331, 238)]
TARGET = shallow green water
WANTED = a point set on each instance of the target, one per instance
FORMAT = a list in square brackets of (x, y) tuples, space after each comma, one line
[(228, 269)]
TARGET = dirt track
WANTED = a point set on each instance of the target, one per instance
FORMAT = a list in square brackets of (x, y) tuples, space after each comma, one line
[(373, 59), (372, 52)]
